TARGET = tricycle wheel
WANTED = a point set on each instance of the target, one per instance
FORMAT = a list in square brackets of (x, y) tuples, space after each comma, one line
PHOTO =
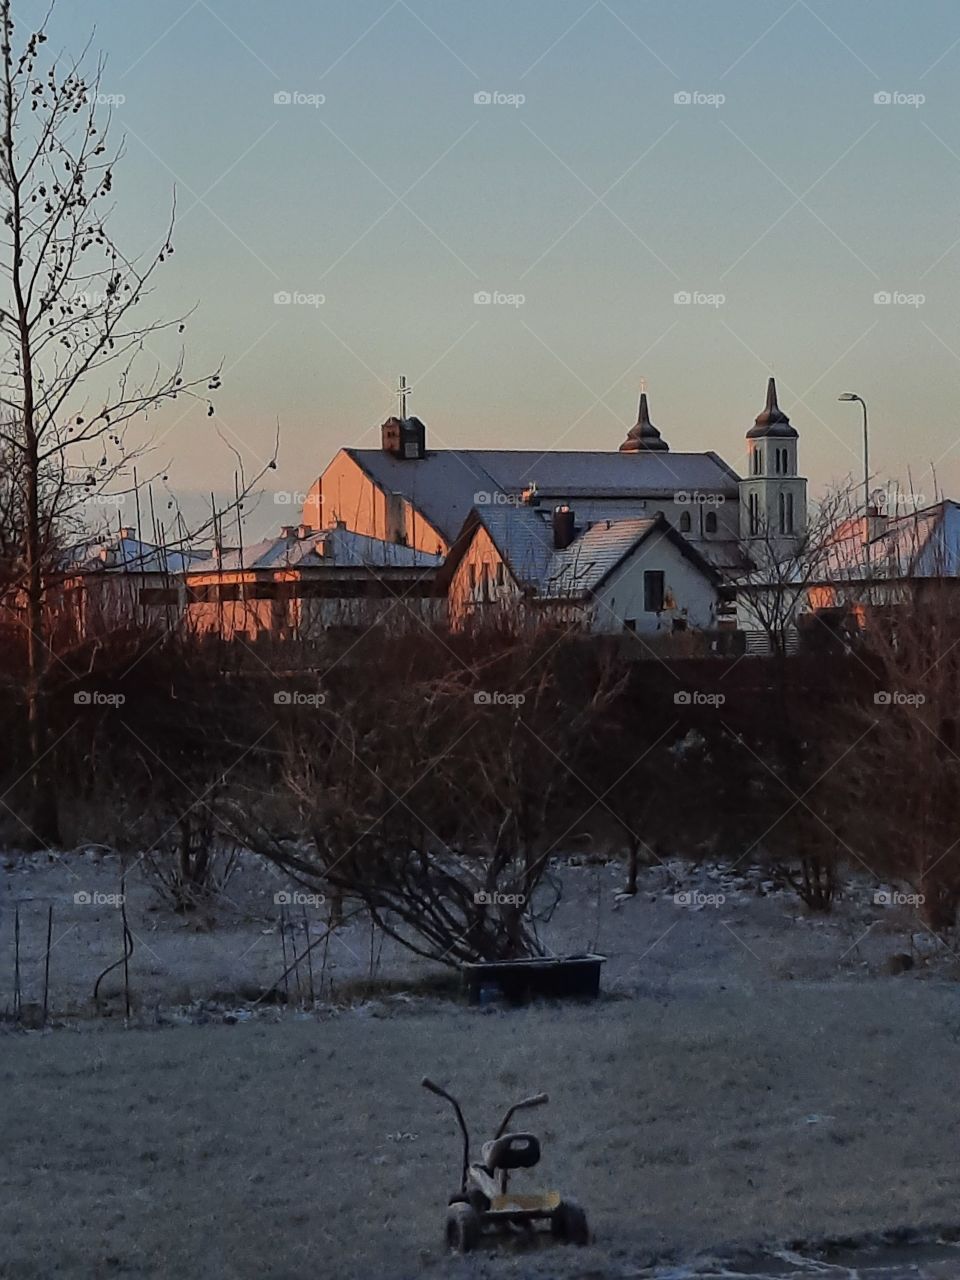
[(463, 1227), (569, 1223)]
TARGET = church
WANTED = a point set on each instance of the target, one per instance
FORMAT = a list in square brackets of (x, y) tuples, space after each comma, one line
[(641, 538)]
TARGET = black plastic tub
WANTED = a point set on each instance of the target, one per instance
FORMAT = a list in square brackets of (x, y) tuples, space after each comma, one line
[(550, 977)]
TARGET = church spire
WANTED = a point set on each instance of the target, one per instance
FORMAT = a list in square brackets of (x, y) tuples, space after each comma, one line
[(644, 437), (771, 421)]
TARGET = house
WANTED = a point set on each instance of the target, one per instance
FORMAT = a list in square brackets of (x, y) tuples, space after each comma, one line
[(306, 580), (529, 563), (117, 580)]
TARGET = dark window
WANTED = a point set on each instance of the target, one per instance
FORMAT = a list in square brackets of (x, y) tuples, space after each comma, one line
[(229, 591), (629, 624), (711, 522), (782, 505), (754, 510), (501, 573), (789, 528), (653, 591), (685, 522), (757, 461), (158, 595)]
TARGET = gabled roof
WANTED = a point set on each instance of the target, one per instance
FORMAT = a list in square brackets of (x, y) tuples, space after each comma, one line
[(447, 484), (323, 548), (523, 535), (920, 544)]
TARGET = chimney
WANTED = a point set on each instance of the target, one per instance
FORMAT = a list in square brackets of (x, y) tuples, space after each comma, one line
[(288, 531), (529, 496), (404, 438), (563, 527), (128, 531), (304, 531)]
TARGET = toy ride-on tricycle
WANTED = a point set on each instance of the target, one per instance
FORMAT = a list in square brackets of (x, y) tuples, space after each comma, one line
[(484, 1203)]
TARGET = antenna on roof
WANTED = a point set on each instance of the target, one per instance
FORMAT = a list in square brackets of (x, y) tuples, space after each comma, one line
[(403, 392)]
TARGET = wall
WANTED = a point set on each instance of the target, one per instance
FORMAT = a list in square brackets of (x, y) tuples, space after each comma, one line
[(687, 594), (345, 492)]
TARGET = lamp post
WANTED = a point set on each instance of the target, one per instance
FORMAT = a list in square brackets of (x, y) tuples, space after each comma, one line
[(850, 395)]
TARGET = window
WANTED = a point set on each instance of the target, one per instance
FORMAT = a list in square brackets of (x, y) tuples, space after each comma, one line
[(685, 522), (653, 585), (629, 624), (753, 507), (158, 595), (501, 573), (757, 461), (473, 576), (789, 513), (710, 523)]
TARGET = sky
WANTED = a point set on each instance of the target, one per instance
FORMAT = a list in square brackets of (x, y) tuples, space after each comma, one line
[(684, 194)]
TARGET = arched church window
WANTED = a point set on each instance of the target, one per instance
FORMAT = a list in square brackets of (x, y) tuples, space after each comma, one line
[(710, 523), (685, 522)]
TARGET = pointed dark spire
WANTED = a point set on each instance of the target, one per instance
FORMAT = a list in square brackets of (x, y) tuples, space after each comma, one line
[(644, 437), (772, 421)]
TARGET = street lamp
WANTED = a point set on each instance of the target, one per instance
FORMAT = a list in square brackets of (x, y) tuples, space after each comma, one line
[(849, 395)]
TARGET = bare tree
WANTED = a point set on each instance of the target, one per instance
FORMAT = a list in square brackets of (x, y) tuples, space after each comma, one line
[(76, 365)]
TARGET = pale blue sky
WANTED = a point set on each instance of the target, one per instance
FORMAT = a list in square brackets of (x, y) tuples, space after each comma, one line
[(798, 199)]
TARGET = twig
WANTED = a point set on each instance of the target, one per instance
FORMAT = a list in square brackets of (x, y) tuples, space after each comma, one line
[(46, 964)]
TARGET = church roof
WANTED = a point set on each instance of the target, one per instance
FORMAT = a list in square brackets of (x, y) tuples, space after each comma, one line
[(772, 422), (322, 549), (447, 484)]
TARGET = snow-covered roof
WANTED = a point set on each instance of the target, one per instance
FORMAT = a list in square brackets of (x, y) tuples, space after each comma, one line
[(447, 484), (323, 548), (524, 537), (126, 553)]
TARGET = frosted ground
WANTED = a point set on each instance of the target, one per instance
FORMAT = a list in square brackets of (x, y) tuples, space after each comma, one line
[(751, 1075)]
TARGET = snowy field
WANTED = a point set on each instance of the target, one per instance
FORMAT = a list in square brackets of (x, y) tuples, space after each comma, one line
[(751, 1075)]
